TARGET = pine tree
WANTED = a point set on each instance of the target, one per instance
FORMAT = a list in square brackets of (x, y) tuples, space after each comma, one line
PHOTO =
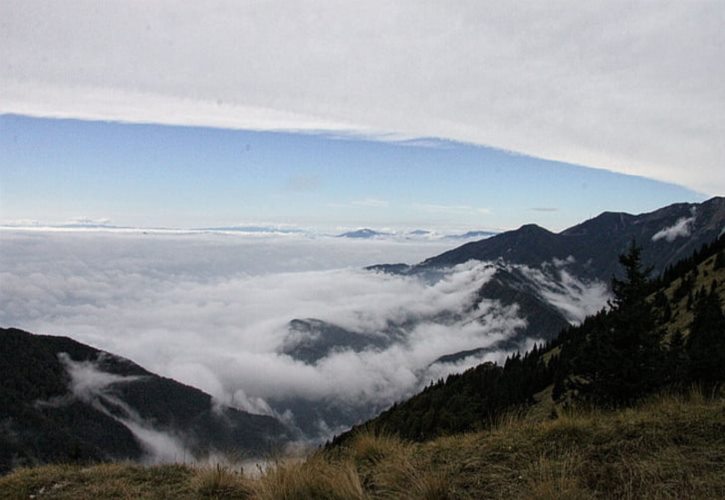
[(706, 344), (678, 361), (633, 332), (719, 260), (620, 358)]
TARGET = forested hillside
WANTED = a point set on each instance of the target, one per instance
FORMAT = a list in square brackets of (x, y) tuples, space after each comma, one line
[(661, 333)]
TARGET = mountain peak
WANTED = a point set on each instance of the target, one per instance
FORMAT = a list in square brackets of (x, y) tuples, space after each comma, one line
[(532, 228), (362, 233), (604, 222)]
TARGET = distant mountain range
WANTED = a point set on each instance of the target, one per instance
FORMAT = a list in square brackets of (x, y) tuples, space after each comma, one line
[(66, 401), (471, 235), (665, 235), (258, 230), (363, 234), (367, 233), (588, 252)]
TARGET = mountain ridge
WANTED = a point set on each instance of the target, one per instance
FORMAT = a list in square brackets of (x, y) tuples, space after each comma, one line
[(599, 240)]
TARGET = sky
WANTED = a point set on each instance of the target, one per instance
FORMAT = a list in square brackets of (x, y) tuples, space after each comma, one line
[(476, 115), (55, 171)]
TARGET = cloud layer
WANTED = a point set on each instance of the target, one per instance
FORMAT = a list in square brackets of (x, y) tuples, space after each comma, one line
[(633, 87), (213, 310)]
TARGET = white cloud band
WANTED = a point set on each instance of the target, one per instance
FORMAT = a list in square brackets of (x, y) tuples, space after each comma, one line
[(205, 310), (632, 87)]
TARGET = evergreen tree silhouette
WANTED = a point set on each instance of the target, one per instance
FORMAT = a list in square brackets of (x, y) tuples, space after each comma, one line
[(706, 344), (619, 359), (633, 333)]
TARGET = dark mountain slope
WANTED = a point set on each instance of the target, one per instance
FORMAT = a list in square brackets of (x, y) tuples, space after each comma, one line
[(530, 245), (310, 340), (511, 286), (42, 419)]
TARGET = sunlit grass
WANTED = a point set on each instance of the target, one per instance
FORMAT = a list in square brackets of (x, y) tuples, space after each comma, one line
[(668, 447), (317, 477)]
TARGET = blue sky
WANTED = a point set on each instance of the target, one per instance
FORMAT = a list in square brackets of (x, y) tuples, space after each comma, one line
[(221, 113), (57, 170)]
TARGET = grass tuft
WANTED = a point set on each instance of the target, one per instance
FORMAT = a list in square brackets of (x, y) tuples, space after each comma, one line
[(316, 478), (555, 479), (221, 482), (369, 449), (406, 479)]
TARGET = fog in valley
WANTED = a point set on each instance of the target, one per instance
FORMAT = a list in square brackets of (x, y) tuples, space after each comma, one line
[(213, 311)]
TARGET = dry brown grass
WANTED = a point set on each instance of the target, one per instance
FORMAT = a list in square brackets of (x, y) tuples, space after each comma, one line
[(316, 478), (73, 482), (222, 482), (390, 468), (555, 479), (668, 447), (368, 448), (406, 479)]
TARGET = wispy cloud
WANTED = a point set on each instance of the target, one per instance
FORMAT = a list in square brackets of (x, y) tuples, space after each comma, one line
[(548, 95), (89, 221), (371, 202), (679, 229), (93, 386), (544, 209), (425, 143), (450, 209), (575, 299), (21, 222)]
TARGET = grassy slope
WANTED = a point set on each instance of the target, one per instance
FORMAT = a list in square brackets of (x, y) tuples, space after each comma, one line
[(681, 316), (665, 448), (668, 447)]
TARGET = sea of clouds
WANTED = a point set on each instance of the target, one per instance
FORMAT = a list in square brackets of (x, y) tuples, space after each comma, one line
[(212, 310)]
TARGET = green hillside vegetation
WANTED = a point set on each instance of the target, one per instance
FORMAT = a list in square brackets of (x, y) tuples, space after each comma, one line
[(664, 447)]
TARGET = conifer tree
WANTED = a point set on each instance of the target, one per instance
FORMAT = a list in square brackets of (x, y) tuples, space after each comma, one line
[(706, 344), (719, 260), (633, 332), (620, 358), (678, 361)]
